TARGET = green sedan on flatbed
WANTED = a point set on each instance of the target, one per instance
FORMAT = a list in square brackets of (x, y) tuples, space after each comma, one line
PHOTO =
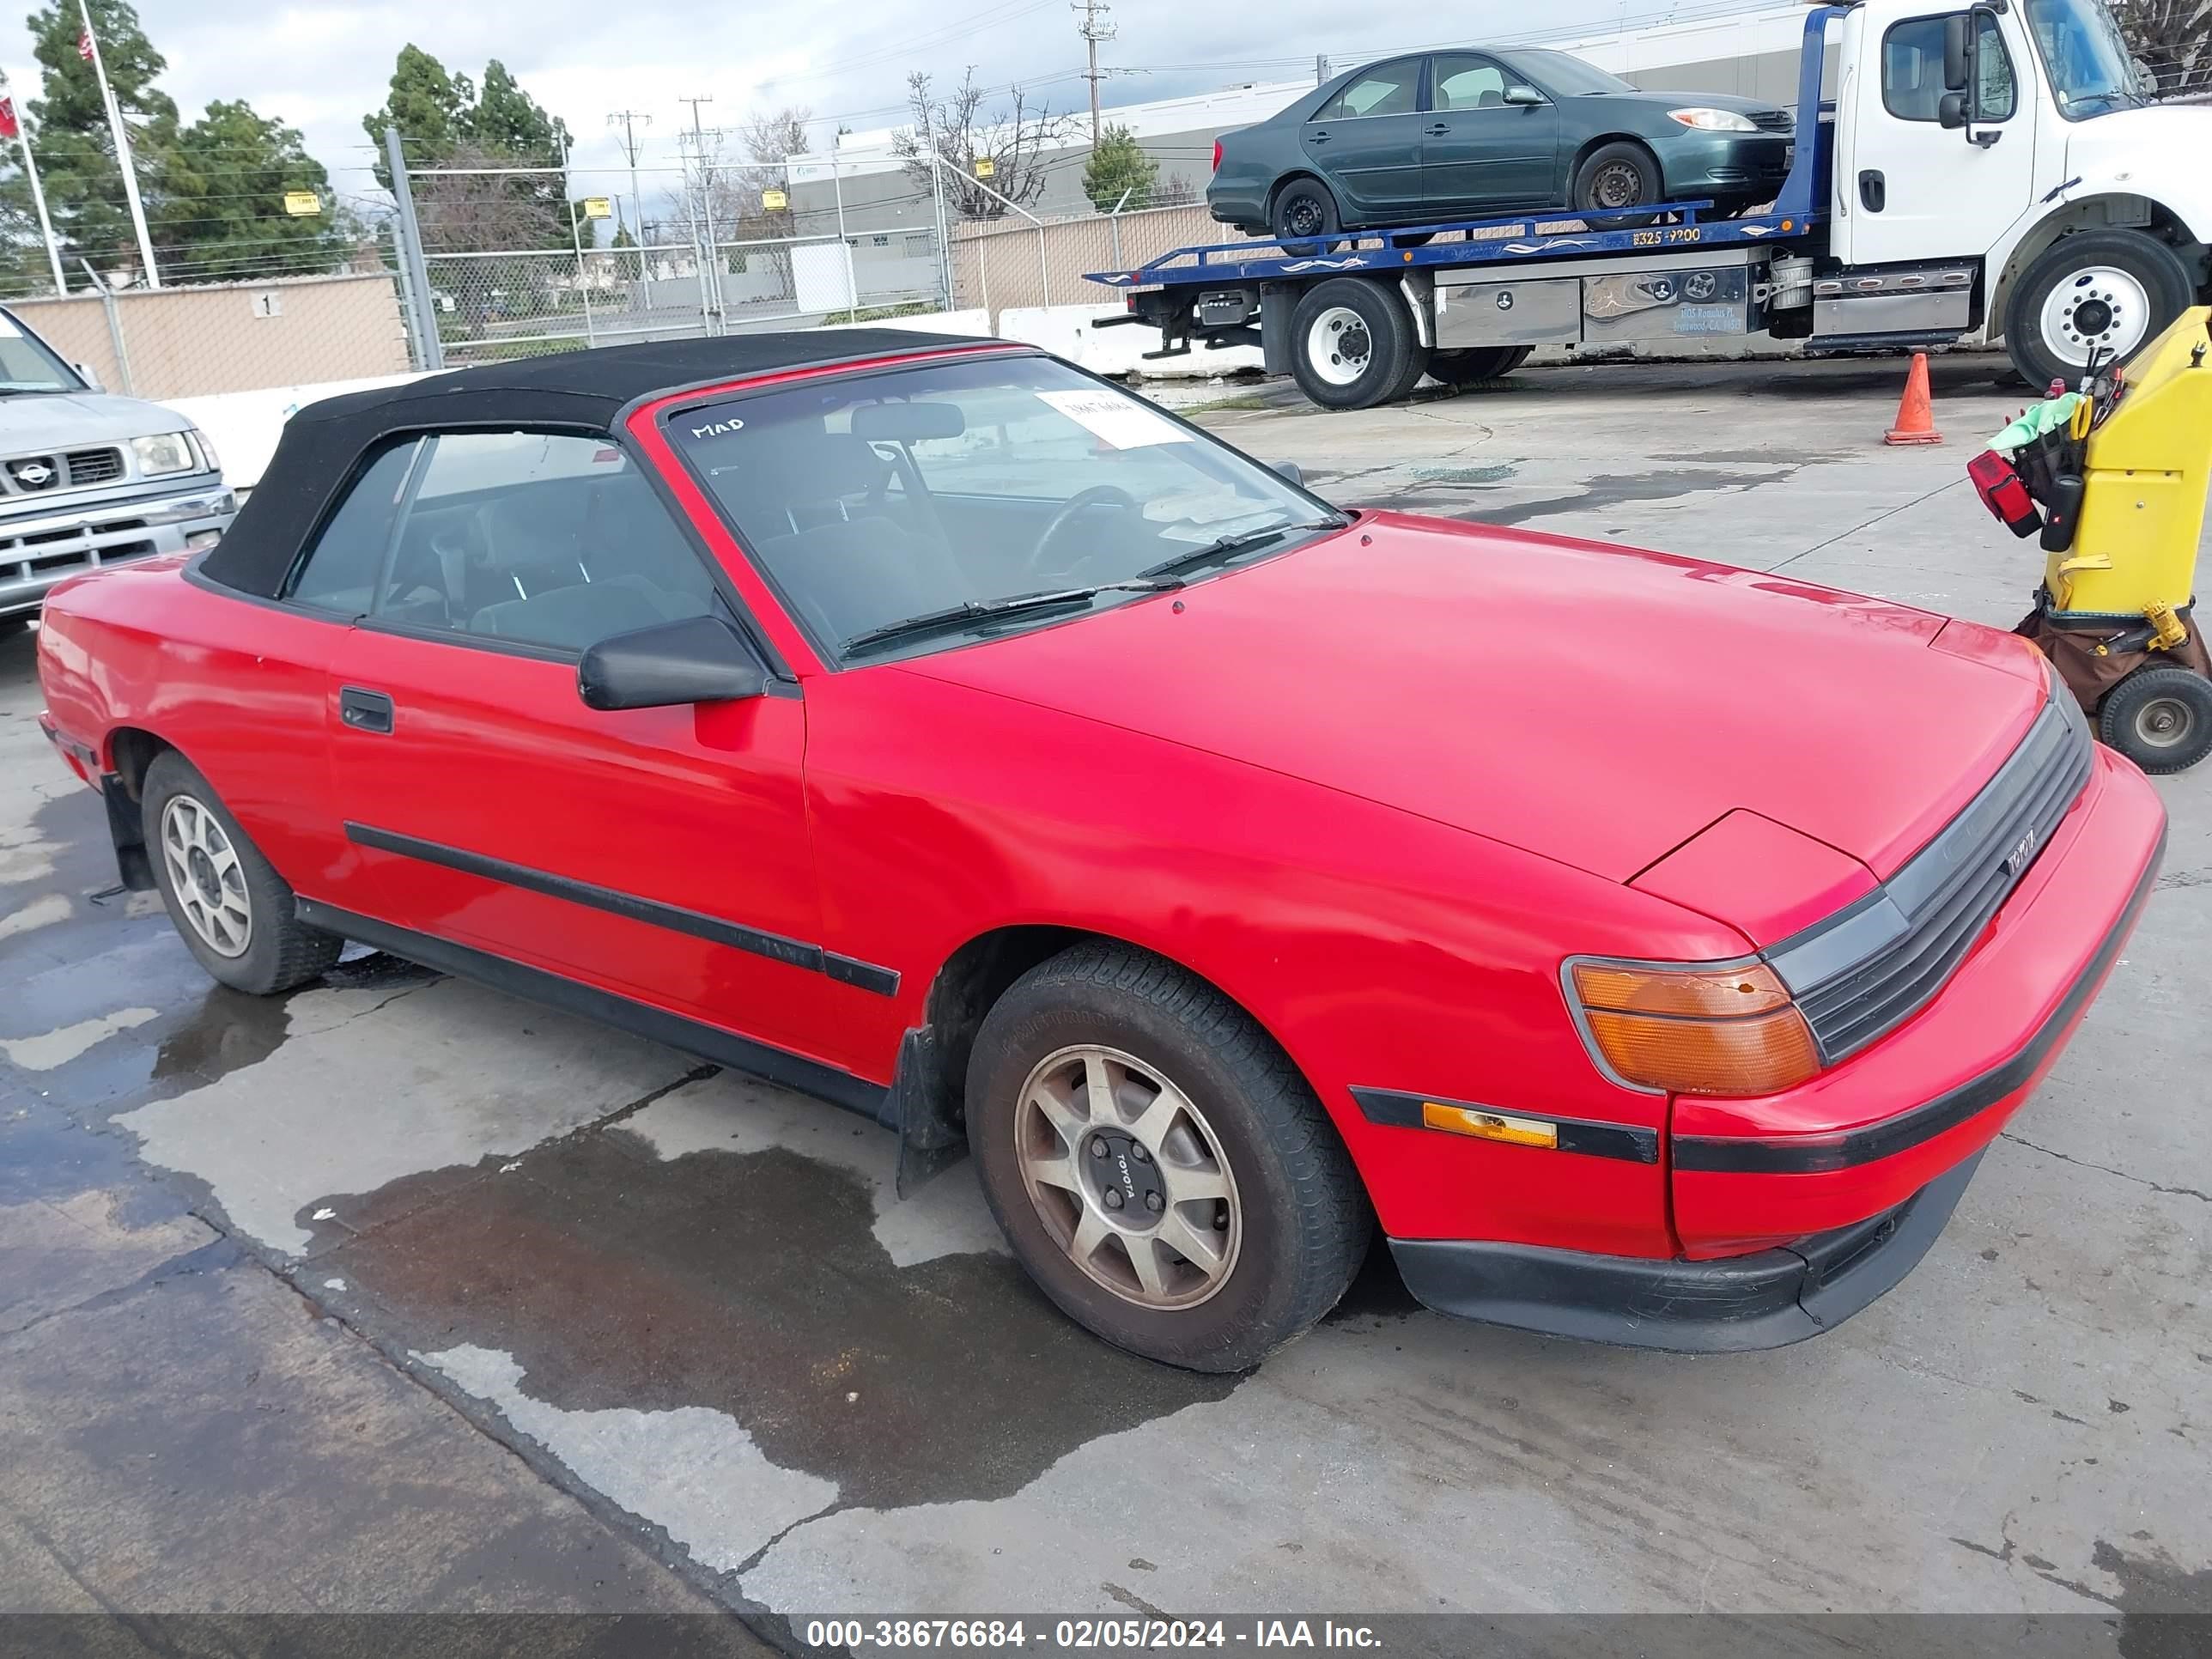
[(1435, 137)]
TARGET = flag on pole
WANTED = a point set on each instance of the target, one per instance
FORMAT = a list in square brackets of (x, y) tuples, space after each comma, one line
[(84, 43), (8, 127)]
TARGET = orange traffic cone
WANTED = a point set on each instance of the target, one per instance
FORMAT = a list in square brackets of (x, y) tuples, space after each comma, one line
[(1916, 417)]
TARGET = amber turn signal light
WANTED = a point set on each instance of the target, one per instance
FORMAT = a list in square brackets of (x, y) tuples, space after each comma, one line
[(1698, 1030)]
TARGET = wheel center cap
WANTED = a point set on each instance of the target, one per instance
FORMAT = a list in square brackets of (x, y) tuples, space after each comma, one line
[(2093, 317), (202, 869), (1124, 1179)]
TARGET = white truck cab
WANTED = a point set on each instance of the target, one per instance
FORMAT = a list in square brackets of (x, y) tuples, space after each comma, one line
[(2089, 208)]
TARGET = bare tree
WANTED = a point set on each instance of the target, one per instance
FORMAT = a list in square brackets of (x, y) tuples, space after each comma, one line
[(1014, 141), (2173, 38)]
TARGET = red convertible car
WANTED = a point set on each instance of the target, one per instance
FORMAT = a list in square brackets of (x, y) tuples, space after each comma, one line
[(1650, 946)]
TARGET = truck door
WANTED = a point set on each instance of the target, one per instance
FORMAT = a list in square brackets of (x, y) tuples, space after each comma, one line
[(1906, 187), (1367, 141)]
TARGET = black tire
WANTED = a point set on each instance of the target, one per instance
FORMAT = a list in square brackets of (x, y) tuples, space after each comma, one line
[(2160, 718), (1616, 176), (2065, 279), (1474, 366), (1303, 208), (279, 952), (1346, 380), (1303, 1220), (11, 626)]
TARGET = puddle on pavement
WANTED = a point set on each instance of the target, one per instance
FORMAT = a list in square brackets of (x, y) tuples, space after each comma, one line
[(1619, 490), (752, 1284)]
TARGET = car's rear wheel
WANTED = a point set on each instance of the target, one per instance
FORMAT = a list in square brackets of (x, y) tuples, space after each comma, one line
[(1613, 179), (1472, 365), (2160, 718), (230, 905), (1353, 344), (1303, 210), (1158, 1163)]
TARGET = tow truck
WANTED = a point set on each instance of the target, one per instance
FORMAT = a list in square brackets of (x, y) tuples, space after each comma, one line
[(1963, 173)]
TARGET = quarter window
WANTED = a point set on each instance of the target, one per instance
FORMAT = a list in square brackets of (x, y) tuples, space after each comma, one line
[(339, 573), (1386, 89), (1913, 70), (537, 538)]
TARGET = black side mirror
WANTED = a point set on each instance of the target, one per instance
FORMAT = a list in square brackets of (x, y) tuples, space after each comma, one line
[(1290, 469), (1958, 52), (1951, 111), (692, 660), (1523, 97)]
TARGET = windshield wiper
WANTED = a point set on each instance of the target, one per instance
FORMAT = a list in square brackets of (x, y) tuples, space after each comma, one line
[(1239, 541), (969, 611)]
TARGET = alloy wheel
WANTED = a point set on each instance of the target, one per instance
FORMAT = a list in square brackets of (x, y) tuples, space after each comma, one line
[(206, 877), (1129, 1179)]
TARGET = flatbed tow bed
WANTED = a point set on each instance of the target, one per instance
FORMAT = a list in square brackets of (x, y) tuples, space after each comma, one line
[(1359, 315)]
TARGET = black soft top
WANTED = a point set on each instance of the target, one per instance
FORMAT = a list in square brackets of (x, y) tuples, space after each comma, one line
[(581, 390)]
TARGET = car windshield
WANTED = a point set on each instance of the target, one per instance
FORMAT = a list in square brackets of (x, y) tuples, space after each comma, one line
[(2086, 56), (912, 509), (1567, 74), (25, 364)]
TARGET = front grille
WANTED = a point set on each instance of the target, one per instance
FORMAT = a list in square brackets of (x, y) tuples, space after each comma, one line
[(1772, 120), (94, 466), (1865, 972)]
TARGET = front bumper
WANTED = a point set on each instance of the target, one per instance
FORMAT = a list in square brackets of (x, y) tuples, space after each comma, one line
[(37, 552), (1797, 1211), (1766, 1300), (1726, 165)]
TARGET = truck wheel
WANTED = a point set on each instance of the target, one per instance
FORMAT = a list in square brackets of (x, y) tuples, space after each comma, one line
[(1304, 208), (226, 902), (2109, 291), (1474, 366), (1160, 1167), (1614, 176), (2159, 718), (1350, 343)]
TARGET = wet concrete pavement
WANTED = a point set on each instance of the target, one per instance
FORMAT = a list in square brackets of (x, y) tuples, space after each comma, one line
[(398, 1293)]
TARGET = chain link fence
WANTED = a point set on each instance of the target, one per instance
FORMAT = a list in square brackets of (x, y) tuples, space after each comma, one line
[(506, 262), (1003, 264)]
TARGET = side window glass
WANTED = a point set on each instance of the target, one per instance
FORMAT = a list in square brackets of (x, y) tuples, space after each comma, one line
[(1994, 97), (340, 571), (1464, 83), (1912, 72), (538, 538), (1387, 90)]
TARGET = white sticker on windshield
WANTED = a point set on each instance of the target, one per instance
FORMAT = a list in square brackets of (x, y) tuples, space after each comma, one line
[(1115, 419)]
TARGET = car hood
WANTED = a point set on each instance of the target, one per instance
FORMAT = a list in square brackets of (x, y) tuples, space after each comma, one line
[(56, 420), (1597, 706)]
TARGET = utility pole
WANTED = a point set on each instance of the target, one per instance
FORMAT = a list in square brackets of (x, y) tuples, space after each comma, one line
[(1093, 29), (1321, 70), (626, 116), (710, 268)]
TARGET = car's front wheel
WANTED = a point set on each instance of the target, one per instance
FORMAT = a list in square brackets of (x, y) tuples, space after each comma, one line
[(232, 908), (1159, 1166), (1614, 177)]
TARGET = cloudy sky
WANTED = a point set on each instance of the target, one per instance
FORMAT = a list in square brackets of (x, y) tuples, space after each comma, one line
[(320, 66)]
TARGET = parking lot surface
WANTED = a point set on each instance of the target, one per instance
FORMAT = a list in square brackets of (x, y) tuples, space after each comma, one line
[(397, 1293)]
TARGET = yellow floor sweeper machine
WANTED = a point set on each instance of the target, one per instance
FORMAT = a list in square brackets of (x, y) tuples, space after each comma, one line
[(2113, 477)]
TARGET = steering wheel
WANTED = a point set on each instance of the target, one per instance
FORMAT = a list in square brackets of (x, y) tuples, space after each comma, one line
[(1083, 500)]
